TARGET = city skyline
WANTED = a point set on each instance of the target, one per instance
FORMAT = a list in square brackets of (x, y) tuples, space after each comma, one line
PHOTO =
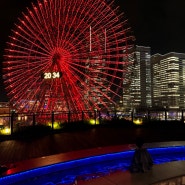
[(157, 25)]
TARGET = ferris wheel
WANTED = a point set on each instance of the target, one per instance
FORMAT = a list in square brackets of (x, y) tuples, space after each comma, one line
[(67, 55)]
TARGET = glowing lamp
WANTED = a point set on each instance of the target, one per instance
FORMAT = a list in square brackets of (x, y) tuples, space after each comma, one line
[(5, 131), (94, 122), (138, 121)]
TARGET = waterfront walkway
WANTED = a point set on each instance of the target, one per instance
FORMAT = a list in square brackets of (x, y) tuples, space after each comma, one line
[(158, 173), (28, 153)]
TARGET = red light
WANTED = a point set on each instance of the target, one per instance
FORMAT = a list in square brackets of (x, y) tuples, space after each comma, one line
[(84, 40)]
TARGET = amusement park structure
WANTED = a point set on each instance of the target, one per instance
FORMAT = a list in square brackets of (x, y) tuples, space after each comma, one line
[(68, 55)]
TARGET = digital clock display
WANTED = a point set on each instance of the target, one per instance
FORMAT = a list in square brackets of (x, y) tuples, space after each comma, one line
[(51, 75)]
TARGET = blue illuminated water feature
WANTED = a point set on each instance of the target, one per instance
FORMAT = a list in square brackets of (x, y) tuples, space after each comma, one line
[(90, 167)]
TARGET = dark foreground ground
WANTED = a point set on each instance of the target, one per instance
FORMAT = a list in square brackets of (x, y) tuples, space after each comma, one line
[(18, 149)]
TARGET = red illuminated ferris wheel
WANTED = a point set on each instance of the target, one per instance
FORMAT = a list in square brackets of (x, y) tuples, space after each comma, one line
[(67, 55)]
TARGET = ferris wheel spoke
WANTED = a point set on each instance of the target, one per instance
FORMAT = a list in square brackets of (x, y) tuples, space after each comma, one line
[(86, 87), (100, 72), (25, 52), (35, 24), (20, 45), (39, 37), (43, 19), (99, 83), (45, 15), (83, 13), (66, 26), (74, 18), (18, 73), (29, 41)]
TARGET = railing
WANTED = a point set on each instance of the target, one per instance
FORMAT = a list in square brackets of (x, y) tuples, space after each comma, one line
[(56, 119)]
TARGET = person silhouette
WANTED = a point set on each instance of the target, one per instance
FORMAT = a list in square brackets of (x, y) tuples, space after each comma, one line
[(141, 160)]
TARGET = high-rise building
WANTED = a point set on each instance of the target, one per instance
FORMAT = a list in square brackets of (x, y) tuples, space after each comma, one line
[(138, 95), (168, 80)]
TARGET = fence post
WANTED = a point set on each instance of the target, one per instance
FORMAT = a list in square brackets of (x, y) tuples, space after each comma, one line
[(33, 119), (11, 123), (165, 115), (148, 116), (115, 114), (69, 117), (99, 117), (95, 116), (108, 115), (52, 119), (182, 116), (132, 116), (82, 116)]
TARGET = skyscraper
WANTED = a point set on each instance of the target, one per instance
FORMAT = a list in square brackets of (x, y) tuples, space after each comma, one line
[(138, 95), (168, 80)]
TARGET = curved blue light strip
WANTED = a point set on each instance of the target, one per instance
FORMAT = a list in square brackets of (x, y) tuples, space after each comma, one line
[(90, 167)]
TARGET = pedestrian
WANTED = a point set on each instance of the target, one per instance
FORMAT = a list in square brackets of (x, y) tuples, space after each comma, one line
[(142, 160)]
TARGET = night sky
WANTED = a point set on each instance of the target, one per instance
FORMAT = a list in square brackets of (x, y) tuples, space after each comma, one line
[(159, 24)]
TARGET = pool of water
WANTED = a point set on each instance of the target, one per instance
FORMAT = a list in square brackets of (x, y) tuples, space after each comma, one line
[(89, 168)]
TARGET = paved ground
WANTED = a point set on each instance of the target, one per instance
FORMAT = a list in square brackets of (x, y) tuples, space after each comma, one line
[(26, 148)]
